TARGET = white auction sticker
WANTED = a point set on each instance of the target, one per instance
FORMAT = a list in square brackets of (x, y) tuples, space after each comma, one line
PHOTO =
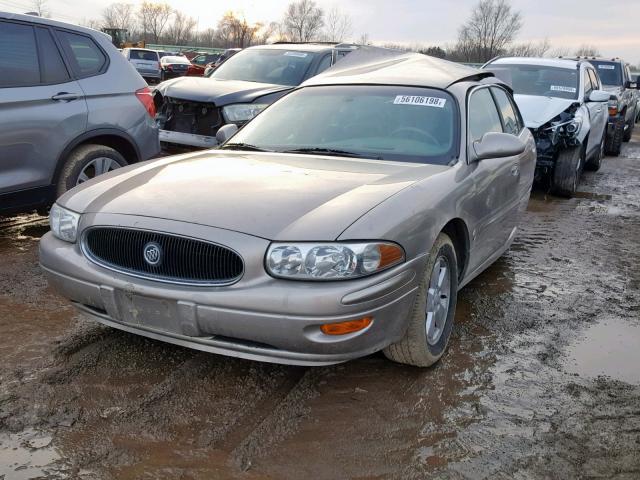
[(606, 67), (296, 54), (422, 101), (559, 88)]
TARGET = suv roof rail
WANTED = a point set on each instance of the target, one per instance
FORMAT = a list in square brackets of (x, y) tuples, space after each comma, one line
[(282, 42)]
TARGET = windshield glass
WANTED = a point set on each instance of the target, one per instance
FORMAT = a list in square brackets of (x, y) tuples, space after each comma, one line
[(610, 72), (406, 124), (280, 67), (539, 80)]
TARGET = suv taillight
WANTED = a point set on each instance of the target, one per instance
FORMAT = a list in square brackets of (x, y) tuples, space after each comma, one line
[(146, 98)]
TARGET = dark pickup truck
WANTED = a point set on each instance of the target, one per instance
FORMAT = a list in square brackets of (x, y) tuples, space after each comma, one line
[(623, 104)]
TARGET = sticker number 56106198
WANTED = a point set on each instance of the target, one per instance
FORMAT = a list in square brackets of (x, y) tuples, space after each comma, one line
[(422, 101)]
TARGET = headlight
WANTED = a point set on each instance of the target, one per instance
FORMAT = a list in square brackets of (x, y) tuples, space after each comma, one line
[(242, 112), (64, 223), (331, 261)]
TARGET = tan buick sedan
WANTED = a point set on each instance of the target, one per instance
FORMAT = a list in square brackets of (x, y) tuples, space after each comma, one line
[(341, 221)]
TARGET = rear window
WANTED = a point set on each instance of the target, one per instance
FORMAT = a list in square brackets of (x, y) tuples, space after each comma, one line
[(178, 60), (145, 55), (610, 73), (279, 67), (86, 57), (18, 56)]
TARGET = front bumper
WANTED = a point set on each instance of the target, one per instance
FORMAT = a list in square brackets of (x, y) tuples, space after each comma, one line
[(258, 318)]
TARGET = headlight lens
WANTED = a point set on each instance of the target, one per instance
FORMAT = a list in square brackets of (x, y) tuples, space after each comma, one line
[(331, 261), (242, 112), (64, 223)]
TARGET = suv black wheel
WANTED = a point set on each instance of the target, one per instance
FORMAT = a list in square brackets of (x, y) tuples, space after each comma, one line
[(614, 146), (87, 162), (566, 173)]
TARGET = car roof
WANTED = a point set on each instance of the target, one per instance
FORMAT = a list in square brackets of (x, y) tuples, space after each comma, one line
[(301, 47), (544, 62), (50, 22), (381, 66)]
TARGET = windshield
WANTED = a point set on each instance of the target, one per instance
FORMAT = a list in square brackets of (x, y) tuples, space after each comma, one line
[(539, 80), (406, 124), (280, 67), (610, 72)]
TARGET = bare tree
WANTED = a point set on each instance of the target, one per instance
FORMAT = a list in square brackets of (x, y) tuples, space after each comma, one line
[(182, 29), (40, 7), (531, 49), (338, 26), (236, 32), (303, 20), (560, 52), (153, 18), (208, 37), (364, 39), (119, 15), (492, 27), (587, 51), (91, 23)]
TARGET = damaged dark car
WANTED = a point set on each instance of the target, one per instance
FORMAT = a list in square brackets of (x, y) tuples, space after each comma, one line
[(565, 107), (191, 110)]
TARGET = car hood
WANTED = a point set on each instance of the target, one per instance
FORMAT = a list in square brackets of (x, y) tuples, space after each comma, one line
[(537, 110), (614, 89), (220, 92), (273, 196)]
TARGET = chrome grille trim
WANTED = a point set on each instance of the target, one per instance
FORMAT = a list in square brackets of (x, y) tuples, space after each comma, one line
[(229, 263)]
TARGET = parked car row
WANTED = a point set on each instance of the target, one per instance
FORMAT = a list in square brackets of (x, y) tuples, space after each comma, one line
[(353, 192)]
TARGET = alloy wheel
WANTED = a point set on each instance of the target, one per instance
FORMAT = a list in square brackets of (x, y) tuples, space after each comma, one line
[(96, 167), (438, 299)]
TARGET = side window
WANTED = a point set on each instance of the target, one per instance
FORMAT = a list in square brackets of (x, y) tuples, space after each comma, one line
[(52, 67), (510, 118), (85, 56), (588, 88), (324, 64), (483, 116), (18, 56), (595, 81)]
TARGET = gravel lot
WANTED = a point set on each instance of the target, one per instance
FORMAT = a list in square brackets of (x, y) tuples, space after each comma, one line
[(542, 378)]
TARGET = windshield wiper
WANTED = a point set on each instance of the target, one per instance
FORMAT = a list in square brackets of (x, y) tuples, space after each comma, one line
[(243, 146), (330, 151)]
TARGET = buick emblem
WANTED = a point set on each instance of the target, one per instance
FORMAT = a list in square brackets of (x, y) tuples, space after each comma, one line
[(152, 253)]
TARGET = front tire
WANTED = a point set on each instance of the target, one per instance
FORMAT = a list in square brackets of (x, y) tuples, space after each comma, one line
[(567, 172), (431, 319), (87, 162)]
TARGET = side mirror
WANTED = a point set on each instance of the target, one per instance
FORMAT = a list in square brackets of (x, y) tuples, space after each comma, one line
[(497, 145), (632, 84), (226, 132), (599, 96)]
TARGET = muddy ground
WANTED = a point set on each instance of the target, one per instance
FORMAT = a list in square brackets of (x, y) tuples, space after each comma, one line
[(542, 377)]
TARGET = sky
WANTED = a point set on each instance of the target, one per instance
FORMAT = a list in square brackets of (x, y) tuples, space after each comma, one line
[(610, 25)]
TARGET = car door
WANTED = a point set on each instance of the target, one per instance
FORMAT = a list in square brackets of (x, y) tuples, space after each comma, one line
[(41, 107), (598, 111), (492, 206)]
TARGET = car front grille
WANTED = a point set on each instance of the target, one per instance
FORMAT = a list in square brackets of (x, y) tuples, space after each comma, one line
[(189, 117), (161, 256)]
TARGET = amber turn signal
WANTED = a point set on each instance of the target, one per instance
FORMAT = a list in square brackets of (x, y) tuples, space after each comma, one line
[(613, 111), (343, 328)]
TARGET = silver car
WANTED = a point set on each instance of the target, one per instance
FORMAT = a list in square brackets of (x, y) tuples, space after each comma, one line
[(341, 221), (71, 108), (145, 61)]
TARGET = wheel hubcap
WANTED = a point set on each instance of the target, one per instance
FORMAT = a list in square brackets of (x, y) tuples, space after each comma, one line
[(96, 167), (438, 298)]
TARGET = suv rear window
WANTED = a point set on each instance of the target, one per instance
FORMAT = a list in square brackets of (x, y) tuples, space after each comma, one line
[(18, 56), (145, 55), (610, 73), (86, 57)]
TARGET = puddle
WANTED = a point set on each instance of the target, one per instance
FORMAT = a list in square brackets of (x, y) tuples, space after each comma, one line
[(592, 196), (610, 348), (28, 454)]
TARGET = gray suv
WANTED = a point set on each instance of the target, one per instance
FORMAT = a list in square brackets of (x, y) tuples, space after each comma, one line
[(71, 107)]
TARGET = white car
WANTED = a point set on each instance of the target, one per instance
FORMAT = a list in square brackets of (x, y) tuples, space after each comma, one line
[(563, 104)]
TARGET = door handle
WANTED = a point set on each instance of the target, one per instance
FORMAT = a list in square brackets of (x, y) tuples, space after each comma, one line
[(65, 97), (515, 169)]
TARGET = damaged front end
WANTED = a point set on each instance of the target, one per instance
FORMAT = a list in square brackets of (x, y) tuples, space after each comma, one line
[(559, 133), (187, 123)]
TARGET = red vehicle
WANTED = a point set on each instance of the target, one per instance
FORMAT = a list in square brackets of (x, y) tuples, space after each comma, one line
[(200, 62)]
